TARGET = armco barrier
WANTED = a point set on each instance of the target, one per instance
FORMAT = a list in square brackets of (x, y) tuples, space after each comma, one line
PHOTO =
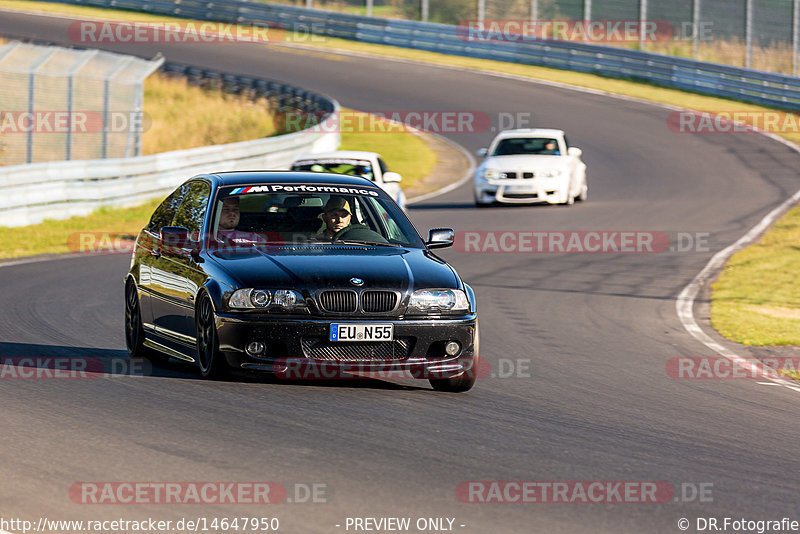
[(708, 78), (57, 190)]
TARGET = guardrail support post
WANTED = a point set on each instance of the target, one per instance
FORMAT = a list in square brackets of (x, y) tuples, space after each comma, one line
[(534, 10), (369, 7), (309, 4), (481, 10), (425, 10)]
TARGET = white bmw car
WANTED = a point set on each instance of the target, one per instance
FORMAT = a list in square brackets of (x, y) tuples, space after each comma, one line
[(368, 165), (530, 165)]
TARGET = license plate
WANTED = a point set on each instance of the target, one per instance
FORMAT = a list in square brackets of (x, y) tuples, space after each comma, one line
[(519, 189), (362, 332)]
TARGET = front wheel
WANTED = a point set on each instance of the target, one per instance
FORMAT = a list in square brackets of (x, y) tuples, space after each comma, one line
[(210, 361), (464, 381)]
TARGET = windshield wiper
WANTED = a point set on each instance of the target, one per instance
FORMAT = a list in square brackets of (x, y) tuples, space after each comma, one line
[(359, 242)]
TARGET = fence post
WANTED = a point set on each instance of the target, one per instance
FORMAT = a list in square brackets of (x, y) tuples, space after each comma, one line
[(481, 10), (795, 36), (68, 148), (748, 33), (106, 85), (642, 19), (696, 29), (31, 94), (369, 7), (309, 4), (425, 9), (534, 10), (587, 16)]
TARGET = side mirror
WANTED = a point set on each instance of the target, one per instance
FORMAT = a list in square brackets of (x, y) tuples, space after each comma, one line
[(482, 152), (441, 237), (391, 177), (574, 151)]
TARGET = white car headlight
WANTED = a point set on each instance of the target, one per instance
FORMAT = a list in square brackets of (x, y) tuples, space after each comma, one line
[(491, 174), (438, 301)]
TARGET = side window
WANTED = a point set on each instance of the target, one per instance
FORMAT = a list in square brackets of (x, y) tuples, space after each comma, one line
[(192, 211), (566, 143), (382, 165), (390, 227), (166, 211)]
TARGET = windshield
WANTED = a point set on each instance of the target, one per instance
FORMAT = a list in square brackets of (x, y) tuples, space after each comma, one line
[(352, 167), (545, 146), (268, 214)]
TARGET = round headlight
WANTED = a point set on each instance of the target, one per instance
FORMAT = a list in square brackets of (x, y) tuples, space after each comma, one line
[(260, 298), (491, 174), (285, 298)]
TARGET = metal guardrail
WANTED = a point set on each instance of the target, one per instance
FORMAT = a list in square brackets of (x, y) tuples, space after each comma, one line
[(57, 190), (764, 88)]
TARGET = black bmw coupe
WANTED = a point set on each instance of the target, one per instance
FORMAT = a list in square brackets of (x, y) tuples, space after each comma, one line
[(303, 275)]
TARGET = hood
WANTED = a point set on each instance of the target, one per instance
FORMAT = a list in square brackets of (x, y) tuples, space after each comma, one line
[(523, 162), (332, 266)]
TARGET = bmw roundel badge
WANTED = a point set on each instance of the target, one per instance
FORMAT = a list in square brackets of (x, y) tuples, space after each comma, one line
[(357, 281)]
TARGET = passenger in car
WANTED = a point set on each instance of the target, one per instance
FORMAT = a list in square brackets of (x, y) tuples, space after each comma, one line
[(230, 215)]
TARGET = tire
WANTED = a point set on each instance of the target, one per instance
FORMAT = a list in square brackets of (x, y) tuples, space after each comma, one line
[(210, 361), (464, 381), (584, 193), (134, 330)]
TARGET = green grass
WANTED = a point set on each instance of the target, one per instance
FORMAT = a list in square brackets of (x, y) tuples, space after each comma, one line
[(756, 300)]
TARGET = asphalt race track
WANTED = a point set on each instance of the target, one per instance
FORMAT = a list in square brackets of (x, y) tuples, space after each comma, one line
[(587, 338)]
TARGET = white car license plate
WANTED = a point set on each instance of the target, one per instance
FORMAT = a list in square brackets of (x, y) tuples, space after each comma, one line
[(362, 332)]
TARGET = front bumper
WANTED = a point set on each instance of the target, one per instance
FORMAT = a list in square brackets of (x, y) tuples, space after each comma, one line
[(299, 347), (522, 191)]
